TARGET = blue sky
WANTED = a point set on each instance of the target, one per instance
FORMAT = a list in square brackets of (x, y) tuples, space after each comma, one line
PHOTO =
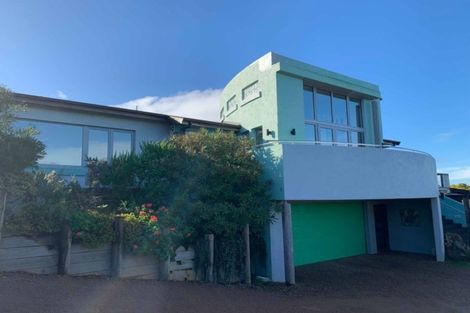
[(177, 55)]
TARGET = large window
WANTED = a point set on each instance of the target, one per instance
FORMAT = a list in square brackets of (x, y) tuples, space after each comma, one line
[(63, 142), (104, 143), (332, 117)]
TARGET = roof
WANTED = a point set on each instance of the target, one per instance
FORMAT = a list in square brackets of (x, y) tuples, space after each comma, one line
[(110, 110)]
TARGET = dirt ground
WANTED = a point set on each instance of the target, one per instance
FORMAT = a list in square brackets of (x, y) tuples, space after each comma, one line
[(384, 283)]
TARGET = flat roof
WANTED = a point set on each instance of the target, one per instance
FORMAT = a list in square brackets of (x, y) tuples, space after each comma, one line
[(110, 110)]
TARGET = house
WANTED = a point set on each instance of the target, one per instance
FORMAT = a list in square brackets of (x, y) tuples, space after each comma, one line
[(74, 131), (345, 190)]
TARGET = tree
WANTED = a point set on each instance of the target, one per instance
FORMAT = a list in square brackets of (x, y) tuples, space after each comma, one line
[(19, 150), (460, 186)]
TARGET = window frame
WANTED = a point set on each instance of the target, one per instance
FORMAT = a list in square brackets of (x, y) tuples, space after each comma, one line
[(319, 124), (85, 139)]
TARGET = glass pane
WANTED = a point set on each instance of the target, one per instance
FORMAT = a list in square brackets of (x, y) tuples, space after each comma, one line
[(122, 142), (355, 113), (308, 103), (310, 132), (356, 137), (63, 142), (323, 106), (98, 144), (339, 110), (326, 134), (341, 136)]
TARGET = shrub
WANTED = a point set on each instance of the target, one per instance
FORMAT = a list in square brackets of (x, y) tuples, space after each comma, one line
[(92, 228)]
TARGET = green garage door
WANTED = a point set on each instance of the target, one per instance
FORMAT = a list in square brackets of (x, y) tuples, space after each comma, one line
[(325, 231)]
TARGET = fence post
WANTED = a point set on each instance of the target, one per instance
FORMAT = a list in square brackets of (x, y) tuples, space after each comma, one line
[(246, 236), (65, 247), (116, 252), (210, 266)]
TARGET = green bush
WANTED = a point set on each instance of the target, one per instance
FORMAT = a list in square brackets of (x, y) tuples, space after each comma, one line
[(92, 228)]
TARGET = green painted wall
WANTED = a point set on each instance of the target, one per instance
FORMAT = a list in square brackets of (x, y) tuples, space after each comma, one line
[(327, 230)]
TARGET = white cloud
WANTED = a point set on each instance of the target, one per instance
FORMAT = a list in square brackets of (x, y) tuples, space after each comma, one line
[(60, 94), (457, 172), (446, 136), (201, 104)]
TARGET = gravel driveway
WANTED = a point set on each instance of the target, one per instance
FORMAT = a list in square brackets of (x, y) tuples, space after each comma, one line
[(385, 283)]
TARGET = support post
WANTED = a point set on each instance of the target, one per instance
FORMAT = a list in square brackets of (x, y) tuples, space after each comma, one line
[(65, 247), (210, 266), (438, 229), (116, 252), (288, 243), (466, 205), (2, 212), (371, 237), (246, 236)]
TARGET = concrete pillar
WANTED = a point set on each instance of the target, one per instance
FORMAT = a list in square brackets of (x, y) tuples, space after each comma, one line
[(371, 237), (276, 250), (288, 243), (438, 230)]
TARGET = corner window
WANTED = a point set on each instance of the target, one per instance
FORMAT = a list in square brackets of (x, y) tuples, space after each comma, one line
[(332, 117)]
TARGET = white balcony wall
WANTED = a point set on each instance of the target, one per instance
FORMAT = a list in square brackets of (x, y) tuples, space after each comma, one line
[(321, 172)]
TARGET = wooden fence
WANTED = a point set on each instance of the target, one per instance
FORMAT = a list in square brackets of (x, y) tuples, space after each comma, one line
[(51, 255)]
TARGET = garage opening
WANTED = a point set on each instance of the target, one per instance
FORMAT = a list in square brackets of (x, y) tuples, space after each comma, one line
[(381, 227), (404, 225)]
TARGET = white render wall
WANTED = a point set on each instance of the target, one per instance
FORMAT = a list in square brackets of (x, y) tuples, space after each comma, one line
[(276, 240), (319, 172)]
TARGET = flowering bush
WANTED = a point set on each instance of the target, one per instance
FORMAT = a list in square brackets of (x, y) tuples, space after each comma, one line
[(150, 231)]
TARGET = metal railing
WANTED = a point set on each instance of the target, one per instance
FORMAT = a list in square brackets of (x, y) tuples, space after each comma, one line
[(340, 144)]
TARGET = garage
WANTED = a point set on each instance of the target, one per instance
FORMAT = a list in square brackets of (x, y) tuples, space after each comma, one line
[(327, 230)]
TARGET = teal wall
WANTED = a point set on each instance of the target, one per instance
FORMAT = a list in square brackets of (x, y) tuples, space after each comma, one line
[(327, 230), (279, 107)]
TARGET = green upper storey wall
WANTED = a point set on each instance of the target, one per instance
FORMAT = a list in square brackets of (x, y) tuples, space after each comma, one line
[(276, 101)]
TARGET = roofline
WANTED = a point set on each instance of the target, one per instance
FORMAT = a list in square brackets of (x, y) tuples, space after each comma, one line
[(98, 108)]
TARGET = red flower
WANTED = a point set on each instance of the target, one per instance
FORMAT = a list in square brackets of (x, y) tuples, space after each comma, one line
[(142, 213), (153, 218), (148, 205)]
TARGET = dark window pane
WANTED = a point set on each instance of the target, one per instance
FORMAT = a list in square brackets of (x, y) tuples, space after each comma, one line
[(98, 144), (323, 106), (310, 132), (258, 135), (63, 142), (341, 136), (308, 103), (355, 113), (326, 134), (356, 137), (339, 110), (122, 142)]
